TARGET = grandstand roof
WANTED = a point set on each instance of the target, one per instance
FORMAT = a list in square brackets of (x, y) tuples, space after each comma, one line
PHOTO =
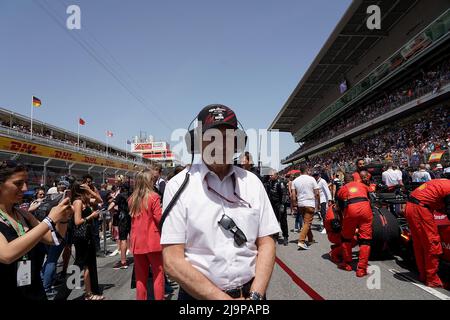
[(349, 41)]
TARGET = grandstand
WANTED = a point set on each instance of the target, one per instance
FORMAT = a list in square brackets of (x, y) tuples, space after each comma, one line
[(363, 81), (52, 152)]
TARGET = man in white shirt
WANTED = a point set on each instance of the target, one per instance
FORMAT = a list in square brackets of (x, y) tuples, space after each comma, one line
[(306, 191), (218, 237), (392, 178), (422, 175), (325, 197)]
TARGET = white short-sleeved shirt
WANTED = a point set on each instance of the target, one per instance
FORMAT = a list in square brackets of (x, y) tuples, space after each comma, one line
[(325, 194), (305, 186), (391, 177), (194, 222), (421, 176)]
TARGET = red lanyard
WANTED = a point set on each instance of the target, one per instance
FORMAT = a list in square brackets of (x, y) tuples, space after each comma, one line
[(233, 179)]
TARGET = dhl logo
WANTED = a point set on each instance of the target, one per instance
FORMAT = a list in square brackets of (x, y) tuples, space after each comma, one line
[(22, 147), (63, 155), (90, 160)]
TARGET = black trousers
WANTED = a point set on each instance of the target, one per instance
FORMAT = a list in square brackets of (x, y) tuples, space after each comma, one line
[(281, 214)]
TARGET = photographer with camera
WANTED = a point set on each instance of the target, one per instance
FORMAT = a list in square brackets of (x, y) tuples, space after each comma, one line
[(218, 236), (20, 232)]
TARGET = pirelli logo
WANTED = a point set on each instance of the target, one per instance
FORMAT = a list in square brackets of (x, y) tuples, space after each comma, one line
[(22, 147)]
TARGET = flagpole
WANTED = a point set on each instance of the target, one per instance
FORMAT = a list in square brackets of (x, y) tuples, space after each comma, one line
[(31, 131), (78, 133), (106, 143)]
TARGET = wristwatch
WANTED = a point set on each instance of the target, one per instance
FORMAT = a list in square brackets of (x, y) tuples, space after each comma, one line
[(255, 296)]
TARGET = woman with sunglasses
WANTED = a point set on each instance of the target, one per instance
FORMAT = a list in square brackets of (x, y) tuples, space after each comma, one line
[(20, 232), (145, 210)]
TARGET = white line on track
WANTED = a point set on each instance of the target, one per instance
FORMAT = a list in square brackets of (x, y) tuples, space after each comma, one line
[(432, 291)]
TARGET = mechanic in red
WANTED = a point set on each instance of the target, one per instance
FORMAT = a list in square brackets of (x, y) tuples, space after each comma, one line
[(333, 226), (360, 166), (354, 198), (429, 197)]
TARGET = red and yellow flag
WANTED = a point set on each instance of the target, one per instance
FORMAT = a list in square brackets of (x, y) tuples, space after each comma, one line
[(436, 156)]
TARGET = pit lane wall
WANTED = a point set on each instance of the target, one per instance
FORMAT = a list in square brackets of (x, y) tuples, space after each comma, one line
[(15, 145)]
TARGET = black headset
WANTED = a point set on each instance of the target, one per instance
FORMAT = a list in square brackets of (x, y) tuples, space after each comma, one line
[(193, 139)]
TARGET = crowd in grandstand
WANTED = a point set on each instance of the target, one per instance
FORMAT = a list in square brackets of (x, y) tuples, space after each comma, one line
[(409, 142), (47, 134), (429, 81)]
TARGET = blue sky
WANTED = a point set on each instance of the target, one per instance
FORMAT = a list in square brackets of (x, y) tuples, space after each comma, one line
[(175, 56)]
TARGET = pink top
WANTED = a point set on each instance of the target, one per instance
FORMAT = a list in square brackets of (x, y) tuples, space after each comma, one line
[(145, 236)]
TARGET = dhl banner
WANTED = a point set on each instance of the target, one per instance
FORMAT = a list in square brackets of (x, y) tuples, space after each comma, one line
[(24, 147)]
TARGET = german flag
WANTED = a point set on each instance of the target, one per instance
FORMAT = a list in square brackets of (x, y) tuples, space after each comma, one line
[(36, 102)]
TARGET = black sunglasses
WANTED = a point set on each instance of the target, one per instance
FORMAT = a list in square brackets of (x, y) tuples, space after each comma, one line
[(228, 224)]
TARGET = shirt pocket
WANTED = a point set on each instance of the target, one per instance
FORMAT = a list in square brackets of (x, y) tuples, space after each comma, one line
[(248, 221)]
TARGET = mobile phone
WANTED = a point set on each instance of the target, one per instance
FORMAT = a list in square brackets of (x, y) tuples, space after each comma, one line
[(66, 194)]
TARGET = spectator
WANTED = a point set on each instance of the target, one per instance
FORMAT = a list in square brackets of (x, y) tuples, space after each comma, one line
[(39, 197), (421, 175), (439, 171), (391, 178), (20, 232), (325, 198), (307, 192), (145, 210), (84, 241), (160, 183), (428, 168), (124, 224)]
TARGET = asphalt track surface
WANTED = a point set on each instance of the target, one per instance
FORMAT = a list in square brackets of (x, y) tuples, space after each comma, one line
[(298, 275)]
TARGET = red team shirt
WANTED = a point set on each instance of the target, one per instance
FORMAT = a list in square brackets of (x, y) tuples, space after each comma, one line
[(353, 190), (432, 193)]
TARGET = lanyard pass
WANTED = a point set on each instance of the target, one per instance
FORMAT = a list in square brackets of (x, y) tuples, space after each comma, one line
[(24, 273)]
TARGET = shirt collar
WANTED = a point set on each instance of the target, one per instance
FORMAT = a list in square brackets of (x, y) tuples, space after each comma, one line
[(204, 171)]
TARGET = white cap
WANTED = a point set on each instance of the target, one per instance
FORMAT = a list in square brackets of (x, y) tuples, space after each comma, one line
[(52, 190), (439, 166)]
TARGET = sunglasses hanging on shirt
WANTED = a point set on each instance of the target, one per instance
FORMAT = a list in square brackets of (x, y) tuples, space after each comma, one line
[(228, 224)]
